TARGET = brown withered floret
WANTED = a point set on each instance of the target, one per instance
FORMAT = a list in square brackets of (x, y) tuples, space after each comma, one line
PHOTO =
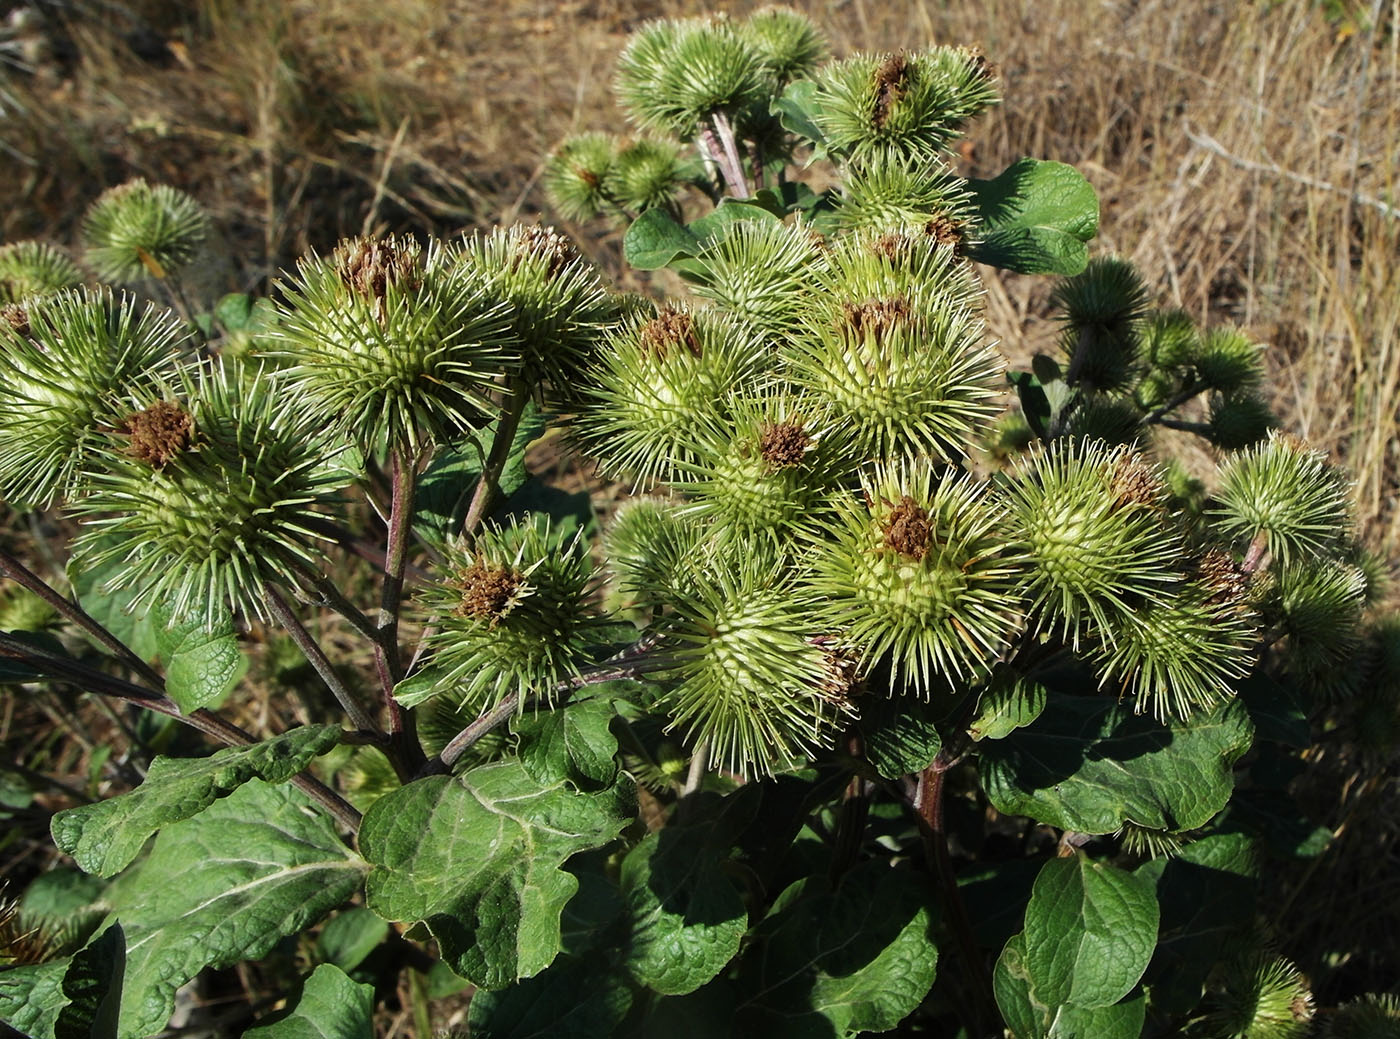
[(368, 266), (944, 230), (907, 529), (158, 434), (486, 591), (586, 175), (979, 61), (1227, 582), (671, 328), (783, 444), (549, 245), (16, 317), (841, 682), (892, 247), (875, 317), (1134, 483), (891, 80)]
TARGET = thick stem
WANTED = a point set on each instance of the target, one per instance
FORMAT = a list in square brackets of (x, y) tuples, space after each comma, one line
[(490, 482), (318, 659), (735, 172), (929, 803), (1257, 554), (1156, 415), (851, 822), (22, 575), (408, 754)]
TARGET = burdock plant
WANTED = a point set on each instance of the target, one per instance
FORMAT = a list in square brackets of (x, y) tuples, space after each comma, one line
[(886, 688)]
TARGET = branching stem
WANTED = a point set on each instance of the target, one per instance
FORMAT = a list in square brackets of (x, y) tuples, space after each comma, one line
[(319, 661), (408, 754), (490, 482)]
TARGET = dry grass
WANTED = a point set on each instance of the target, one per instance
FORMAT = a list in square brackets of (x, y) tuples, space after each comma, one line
[(1245, 154)]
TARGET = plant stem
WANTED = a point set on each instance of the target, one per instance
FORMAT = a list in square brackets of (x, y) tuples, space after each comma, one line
[(735, 172), (855, 813), (490, 482), (22, 575), (408, 754), (1176, 402), (318, 659), (207, 722), (929, 803)]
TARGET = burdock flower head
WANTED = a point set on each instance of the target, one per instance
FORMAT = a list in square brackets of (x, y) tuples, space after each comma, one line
[(134, 232), (68, 364), (208, 493), (34, 269), (394, 344), (919, 574), (510, 615), (560, 309)]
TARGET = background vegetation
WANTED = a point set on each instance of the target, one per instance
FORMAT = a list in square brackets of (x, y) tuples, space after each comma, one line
[(1245, 155)]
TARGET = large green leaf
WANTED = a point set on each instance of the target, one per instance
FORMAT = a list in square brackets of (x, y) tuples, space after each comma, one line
[(1007, 704), (796, 112), (32, 997), (687, 919), (1035, 218), (445, 489), (570, 1000), (1090, 930), (1090, 764), (93, 983), (1028, 1016), (1207, 895), (823, 963), (113, 609), (104, 837), (477, 858), (223, 887), (331, 1006)]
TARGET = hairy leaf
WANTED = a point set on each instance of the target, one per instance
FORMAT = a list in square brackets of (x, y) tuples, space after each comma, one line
[(572, 742), (1028, 1016), (225, 886), (104, 837), (1090, 930), (839, 963), (1035, 218), (331, 1006), (93, 982), (1090, 764), (349, 937), (200, 664), (477, 858)]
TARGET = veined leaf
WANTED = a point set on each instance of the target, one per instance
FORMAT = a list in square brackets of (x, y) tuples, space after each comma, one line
[(331, 1006), (1035, 218)]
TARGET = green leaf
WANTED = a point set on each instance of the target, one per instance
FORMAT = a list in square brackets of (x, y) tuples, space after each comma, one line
[(900, 734), (572, 742), (93, 982), (445, 489), (1090, 764), (1207, 895), (1007, 704), (1035, 218), (1275, 816), (1035, 404), (657, 240), (795, 109), (996, 897), (687, 917), (571, 1000), (1090, 930), (32, 997), (224, 887), (349, 937), (839, 963), (106, 836), (702, 1014), (234, 310), (588, 918), (787, 197), (1027, 1015), (331, 1006), (477, 858), (201, 664)]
